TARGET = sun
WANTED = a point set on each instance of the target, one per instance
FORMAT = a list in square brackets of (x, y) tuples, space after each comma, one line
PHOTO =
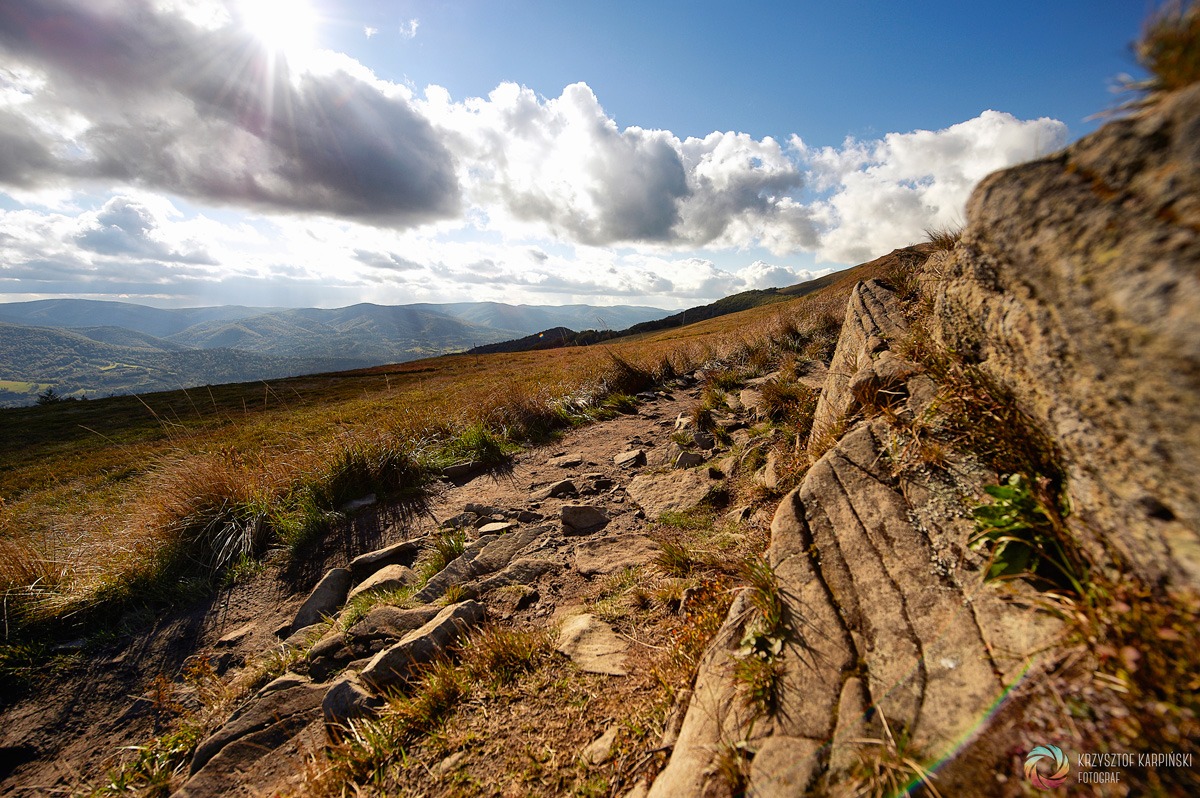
[(286, 27)]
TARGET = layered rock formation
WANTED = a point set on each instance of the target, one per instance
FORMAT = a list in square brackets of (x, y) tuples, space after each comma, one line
[(1076, 291)]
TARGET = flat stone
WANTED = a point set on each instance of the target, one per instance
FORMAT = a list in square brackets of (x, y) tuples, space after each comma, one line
[(236, 636), (497, 528), (389, 623), (565, 461), (582, 518), (593, 645), (674, 492), (325, 598), (631, 459), (402, 553), (605, 555), (390, 577)]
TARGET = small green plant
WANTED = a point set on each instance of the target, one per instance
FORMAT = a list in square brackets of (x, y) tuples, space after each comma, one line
[(447, 546), (1024, 535), (759, 678)]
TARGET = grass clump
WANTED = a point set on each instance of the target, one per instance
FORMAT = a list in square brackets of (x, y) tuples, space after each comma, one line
[(758, 667), (1170, 47), (448, 544), (944, 239)]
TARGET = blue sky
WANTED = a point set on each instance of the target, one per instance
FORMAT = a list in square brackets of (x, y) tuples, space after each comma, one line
[(198, 152)]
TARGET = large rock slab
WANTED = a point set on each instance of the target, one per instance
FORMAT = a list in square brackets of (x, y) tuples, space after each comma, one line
[(593, 645), (873, 317), (1075, 287), (265, 724), (674, 492), (608, 554), (402, 553), (325, 599), (394, 665)]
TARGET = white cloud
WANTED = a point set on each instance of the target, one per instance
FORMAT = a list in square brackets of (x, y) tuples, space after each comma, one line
[(389, 197), (883, 194), (369, 32), (408, 30)]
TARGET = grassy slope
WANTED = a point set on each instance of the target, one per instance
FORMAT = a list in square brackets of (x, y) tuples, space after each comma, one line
[(107, 470)]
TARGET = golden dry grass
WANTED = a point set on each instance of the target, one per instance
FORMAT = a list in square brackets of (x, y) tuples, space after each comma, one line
[(96, 496)]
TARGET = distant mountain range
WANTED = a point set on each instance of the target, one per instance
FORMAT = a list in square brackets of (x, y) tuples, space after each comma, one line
[(88, 347)]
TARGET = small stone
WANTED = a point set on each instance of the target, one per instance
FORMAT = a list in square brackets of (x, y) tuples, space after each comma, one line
[(635, 457), (689, 460), (529, 517), (449, 764), (559, 490), (600, 750), (355, 505), (579, 518), (497, 528), (683, 422), (236, 636), (565, 461)]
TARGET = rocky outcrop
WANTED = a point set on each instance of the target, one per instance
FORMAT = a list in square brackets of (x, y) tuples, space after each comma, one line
[(887, 617), (1075, 287)]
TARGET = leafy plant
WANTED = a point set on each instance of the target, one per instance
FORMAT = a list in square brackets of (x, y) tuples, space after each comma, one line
[(1024, 534)]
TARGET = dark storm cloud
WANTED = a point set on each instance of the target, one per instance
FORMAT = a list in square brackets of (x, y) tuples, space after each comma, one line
[(211, 114)]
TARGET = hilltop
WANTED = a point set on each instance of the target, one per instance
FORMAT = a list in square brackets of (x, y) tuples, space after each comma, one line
[(91, 348)]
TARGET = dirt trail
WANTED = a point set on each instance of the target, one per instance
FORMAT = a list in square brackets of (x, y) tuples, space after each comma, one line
[(102, 699)]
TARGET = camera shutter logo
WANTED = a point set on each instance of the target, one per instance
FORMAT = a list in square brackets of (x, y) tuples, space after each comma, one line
[(1054, 758)]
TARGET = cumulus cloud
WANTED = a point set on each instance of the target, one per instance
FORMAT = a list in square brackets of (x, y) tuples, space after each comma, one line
[(885, 193), (158, 100), (130, 228), (563, 163)]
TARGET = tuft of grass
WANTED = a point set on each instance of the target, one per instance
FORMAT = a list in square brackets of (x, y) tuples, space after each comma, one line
[(944, 239), (448, 544), (498, 656), (888, 766), (1170, 47)]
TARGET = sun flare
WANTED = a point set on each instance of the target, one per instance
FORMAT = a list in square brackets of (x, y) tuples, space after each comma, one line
[(283, 26)]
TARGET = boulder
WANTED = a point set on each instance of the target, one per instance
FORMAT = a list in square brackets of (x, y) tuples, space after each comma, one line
[(394, 665), (388, 623), (593, 645), (1075, 288), (402, 553), (390, 577), (325, 599), (578, 519), (347, 699), (688, 460), (280, 714)]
